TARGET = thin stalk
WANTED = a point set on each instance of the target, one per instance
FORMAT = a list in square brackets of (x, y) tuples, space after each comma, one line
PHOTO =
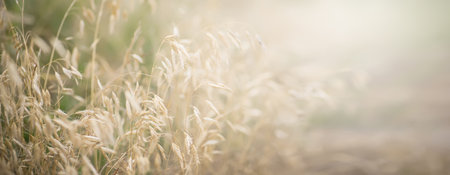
[(94, 49), (54, 42)]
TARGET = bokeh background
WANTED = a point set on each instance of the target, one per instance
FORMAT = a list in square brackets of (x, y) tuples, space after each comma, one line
[(388, 65), (390, 111)]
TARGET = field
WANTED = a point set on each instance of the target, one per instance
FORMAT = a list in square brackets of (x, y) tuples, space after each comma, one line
[(224, 87)]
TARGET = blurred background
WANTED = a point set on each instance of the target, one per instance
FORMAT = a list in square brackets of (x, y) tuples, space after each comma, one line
[(386, 65)]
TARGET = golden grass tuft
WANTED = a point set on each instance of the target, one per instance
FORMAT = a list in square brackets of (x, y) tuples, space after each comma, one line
[(204, 104)]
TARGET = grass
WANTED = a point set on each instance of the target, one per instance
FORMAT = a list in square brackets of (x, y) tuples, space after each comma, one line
[(77, 101)]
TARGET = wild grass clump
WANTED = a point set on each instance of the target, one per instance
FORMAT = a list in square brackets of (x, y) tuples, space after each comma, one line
[(99, 93)]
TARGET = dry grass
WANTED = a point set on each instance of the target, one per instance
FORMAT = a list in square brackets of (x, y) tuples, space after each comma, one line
[(207, 103), (173, 87)]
